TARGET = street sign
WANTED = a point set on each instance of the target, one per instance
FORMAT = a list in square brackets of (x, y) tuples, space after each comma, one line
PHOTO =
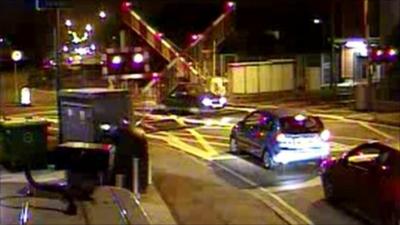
[(53, 4)]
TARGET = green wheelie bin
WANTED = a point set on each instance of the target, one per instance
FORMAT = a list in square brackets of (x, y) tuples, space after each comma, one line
[(23, 142)]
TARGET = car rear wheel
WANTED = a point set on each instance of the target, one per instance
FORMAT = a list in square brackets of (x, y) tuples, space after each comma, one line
[(268, 162), (329, 190), (233, 146)]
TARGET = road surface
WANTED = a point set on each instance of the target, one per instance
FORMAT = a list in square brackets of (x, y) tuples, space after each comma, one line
[(203, 183)]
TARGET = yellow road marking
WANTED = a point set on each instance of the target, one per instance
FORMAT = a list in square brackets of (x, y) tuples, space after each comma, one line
[(224, 157), (177, 133), (156, 136), (179, 144), (351, 138), (289, 207), (190, 140), (243, 109), (216, 127), (369, 127), (338, 147), (206, 145)]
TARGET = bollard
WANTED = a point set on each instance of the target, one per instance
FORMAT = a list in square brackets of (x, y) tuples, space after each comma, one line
[(149, 173), (120, 180), (135, 177), (25, 96), (100, 176)]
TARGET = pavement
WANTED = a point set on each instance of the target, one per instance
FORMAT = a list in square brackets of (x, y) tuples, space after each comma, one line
[(150, 208)]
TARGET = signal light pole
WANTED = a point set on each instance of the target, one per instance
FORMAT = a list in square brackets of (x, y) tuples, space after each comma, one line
[(369, 75)]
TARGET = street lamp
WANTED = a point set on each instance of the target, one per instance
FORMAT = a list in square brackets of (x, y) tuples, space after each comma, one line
[(68, 23), (102, 14), (88, 27), (16, 56), (317, 21)]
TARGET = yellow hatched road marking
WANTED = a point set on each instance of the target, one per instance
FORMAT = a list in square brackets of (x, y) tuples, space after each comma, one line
[(180, 134), (338, 147), (176, 142), (216, 144), (206, 145), (369, 127)]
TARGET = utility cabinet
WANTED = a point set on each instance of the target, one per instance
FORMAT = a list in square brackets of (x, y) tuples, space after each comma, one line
[(23, 142), (84, 110)]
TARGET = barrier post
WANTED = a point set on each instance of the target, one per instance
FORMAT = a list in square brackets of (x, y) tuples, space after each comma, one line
[(119, 180), (135, 177)]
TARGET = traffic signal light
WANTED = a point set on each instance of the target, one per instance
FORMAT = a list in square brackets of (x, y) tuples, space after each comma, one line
[(229, 6), (125, 63), (126, 6), (381, 55)]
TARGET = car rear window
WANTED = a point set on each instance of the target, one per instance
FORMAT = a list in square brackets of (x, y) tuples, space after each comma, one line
[(307, 125)]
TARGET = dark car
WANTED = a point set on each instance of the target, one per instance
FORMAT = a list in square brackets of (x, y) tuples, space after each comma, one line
[(190, 97), (281, 137), (367, 177)]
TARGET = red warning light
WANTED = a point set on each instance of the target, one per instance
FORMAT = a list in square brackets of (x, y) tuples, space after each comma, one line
[(229, 6), (126, 6)]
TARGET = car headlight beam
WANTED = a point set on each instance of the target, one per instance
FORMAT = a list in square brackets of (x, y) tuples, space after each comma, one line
[(325, 135), (206, 101), (223, 100)]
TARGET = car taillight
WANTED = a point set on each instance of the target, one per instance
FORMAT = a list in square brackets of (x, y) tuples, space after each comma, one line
[(326, 163), (280, 137), (325, 135)]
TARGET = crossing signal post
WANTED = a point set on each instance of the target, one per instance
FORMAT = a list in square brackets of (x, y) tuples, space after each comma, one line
[(56, 5)]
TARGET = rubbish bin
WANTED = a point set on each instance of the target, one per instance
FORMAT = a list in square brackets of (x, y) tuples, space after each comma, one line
[(23, 142), (361, 97)]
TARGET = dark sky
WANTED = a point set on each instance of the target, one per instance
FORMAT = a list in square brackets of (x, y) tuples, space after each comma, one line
[(30, 29)]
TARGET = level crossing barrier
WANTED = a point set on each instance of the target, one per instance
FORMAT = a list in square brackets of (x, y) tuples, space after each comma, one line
[(183, 63)]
